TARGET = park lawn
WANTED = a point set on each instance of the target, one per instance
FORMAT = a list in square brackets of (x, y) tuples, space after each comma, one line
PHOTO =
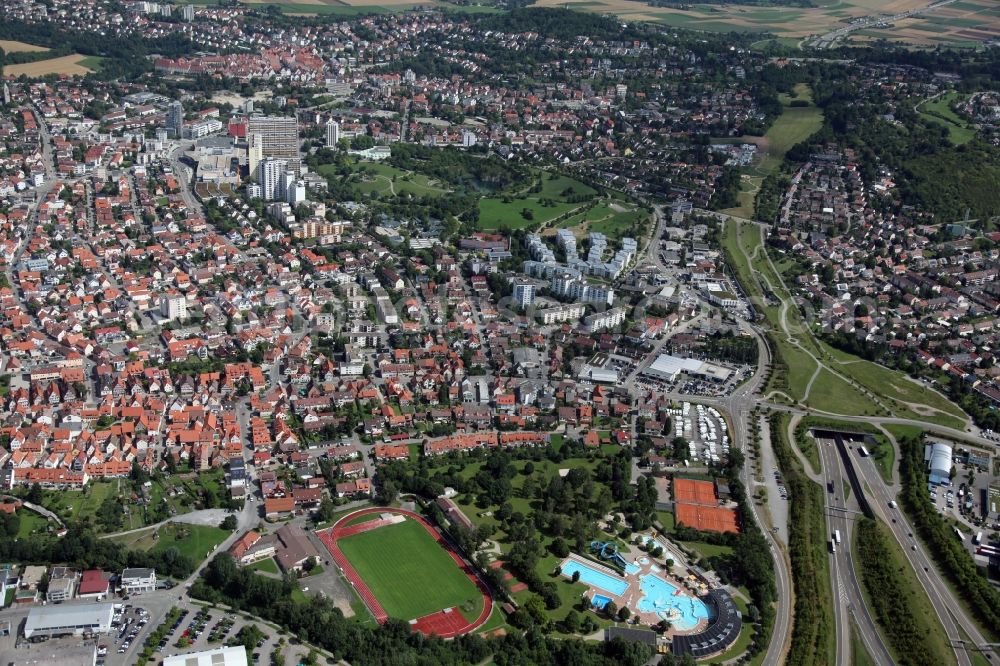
[(794, 125), (495, 213), (409, 573), (831, 393), (407, 182), (195, 541), (707, 549), (896, 386), (555, 185), (938, 110), (266, 565)]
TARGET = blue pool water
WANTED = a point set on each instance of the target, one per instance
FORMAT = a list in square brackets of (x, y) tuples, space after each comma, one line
[(594, 578), (631, 569), (658, 597), (600, 601)]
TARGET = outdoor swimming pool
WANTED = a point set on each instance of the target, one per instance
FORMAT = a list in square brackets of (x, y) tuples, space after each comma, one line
[(660, 597), (631, 569), (599, 601), (595, 578)]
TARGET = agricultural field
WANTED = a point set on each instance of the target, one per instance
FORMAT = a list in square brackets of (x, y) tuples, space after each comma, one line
[(10, 46), (351, 7), (71, 65), (964, 23), (409, 573)]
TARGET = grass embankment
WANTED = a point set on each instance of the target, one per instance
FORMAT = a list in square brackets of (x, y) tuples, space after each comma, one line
[(912, 630), (879, 447), (848, 383), (195, 541), (813, 635)]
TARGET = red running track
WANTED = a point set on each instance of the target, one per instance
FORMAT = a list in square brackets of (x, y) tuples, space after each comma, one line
[(444, 625)]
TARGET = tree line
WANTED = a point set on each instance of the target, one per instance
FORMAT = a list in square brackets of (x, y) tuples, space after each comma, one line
[(948, 552), (318, 621)]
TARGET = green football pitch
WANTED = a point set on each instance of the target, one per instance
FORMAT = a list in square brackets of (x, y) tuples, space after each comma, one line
[(409, 573)]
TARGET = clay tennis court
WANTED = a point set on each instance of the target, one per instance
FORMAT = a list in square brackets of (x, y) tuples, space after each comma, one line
[(694, 491), (707, 518)]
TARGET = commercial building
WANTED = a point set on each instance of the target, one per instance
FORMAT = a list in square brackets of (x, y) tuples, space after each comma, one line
[(76, 619), (668, 367), (234, 655), (62, 584), (294, 548), (138, 580), (938, 458), (93, 585), (279, 135)]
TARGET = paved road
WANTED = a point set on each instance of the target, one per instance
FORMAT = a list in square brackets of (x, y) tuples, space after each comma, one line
[(947, 607), (831, 38), (848, 600)]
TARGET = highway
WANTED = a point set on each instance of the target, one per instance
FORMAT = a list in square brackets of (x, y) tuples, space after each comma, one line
[(947, 607), (845, 588), (831, 38)]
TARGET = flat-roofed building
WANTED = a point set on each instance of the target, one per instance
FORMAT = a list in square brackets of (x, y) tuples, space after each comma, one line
[(138, 580), (77, 619), (235, 655)]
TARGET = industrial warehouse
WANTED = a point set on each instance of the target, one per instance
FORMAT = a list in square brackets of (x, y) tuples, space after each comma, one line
[(78, 620)]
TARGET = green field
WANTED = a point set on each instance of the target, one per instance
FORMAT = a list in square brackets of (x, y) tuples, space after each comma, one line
[(794, 125), (267, 565), (938, 110), (195, 541), (615, 219), (30, 522), (840, 387), (550, 202), (388, 180), (409, 573)]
